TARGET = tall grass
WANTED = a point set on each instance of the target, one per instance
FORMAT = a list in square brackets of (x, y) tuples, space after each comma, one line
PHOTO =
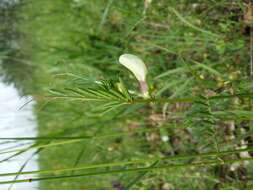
[(92, 135)]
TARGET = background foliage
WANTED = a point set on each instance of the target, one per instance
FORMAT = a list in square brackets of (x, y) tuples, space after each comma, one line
[(192, 49)]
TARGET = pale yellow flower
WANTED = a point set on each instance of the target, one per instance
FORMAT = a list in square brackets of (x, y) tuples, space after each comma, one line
[(135, 65), (138, 68)]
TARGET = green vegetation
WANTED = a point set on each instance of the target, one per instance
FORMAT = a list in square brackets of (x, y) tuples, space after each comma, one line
[(192, 132)]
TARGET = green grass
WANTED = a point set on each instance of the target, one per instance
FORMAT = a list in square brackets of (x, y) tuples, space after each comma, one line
[(197, 53)]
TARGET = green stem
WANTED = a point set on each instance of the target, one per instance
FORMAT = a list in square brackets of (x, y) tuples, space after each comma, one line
[(162, 167), (186, 100), (105, 165)]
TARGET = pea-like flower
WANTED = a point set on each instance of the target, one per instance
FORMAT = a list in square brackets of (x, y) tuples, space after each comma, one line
[(138, 68)]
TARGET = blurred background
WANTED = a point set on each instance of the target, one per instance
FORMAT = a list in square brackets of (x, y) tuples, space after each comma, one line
[(191, 48)]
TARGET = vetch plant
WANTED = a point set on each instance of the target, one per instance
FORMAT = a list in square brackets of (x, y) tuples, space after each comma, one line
[(138, 68)]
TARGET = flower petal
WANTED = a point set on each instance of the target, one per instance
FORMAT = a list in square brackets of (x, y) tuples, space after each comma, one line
[(135, 65)]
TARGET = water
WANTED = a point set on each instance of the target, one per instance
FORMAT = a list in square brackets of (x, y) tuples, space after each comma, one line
[(16, 122), (8, 3)]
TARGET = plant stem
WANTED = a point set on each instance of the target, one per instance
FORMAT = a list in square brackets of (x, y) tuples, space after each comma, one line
[(104, 165), (162, 167)]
